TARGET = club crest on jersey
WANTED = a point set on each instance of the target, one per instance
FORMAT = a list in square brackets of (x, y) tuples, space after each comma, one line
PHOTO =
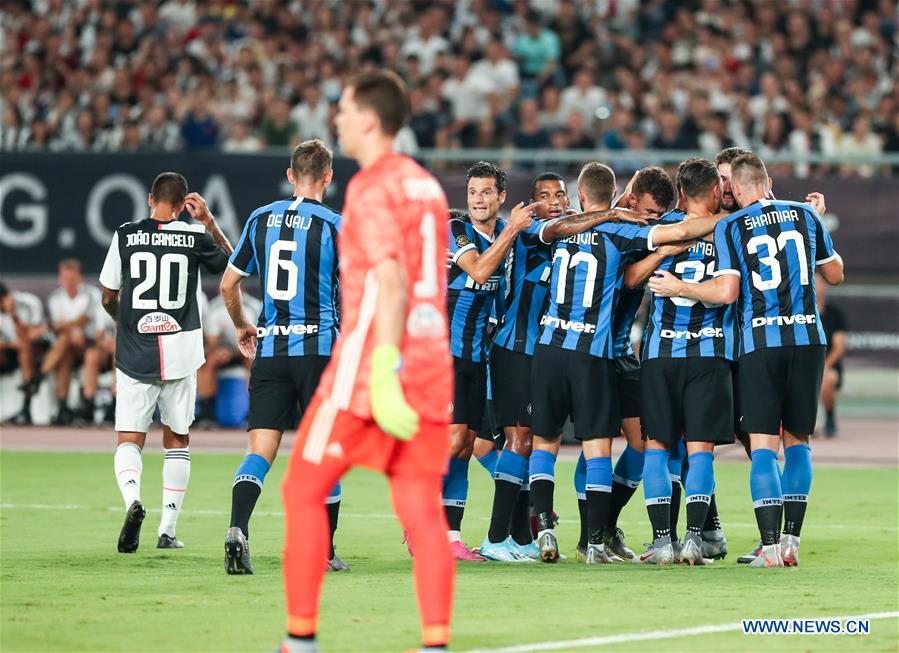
[(462, 241), (425, 321), (160, 323)]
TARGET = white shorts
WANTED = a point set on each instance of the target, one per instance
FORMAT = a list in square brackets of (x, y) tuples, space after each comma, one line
[(136, 402)]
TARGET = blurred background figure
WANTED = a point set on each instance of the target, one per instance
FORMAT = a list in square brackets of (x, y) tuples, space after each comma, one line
[(835, 327), (23, 341)]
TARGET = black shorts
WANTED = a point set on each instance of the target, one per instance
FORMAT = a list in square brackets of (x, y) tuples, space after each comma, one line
[(489, 430), (780, 386), (687, 397), (577, 385), (281, 388), (510, 377), (9, 361), (470, 392), (627, 368)]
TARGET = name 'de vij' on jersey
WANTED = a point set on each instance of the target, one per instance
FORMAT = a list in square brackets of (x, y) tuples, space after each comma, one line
[(774, 246), (679, 327), (291, 245), (156, 265), (584, 287), (470, 304)]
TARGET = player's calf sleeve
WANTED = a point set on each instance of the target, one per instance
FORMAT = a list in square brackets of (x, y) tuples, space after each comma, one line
[(455, 495), (767, 495), (416, 501), (698, 488), (580, 489), (520, 527), (676, 464), (488, 461), (599, 496), (511, 469), (796, 483), (332, 504), (626, 477), (175, 477), (128, 466), (542, 480), (712, 522), (248, 481), (657, 491)]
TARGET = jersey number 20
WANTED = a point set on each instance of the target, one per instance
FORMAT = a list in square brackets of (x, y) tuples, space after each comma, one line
[(159, 271)]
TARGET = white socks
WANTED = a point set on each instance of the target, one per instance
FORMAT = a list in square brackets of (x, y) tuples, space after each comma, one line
[(175, 475), (128, 467)]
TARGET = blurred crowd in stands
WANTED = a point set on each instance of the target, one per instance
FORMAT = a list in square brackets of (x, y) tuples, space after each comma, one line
[(784, 77)]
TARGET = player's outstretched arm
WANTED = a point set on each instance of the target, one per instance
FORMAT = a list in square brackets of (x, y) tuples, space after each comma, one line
[(481, 267), (199, 211), (691, 229), (570, 225), (723, 289), (388, 404), (231, 295), (636, 274)]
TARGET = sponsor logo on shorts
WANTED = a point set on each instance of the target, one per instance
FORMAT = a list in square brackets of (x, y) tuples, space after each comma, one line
[(705, 332), (286, 330), (567, 325), (784, 320), (158, 323)]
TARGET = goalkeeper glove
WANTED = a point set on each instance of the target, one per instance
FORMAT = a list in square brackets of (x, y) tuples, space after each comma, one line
[(388, 405)]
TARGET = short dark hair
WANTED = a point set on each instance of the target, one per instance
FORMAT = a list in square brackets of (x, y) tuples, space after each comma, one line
[(749, 169), (4, 291), (70, 264), (384, 92), (655, 181), (169, 187), (311, 159), (696, 176), (545, 176), (486, 170), (728, 154), (597, 182)]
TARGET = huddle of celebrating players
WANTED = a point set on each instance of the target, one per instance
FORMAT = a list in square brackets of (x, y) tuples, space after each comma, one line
[(535, 310)]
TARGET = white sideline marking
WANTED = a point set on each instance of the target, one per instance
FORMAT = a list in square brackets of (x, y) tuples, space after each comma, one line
[(386, 515), (625, 638)]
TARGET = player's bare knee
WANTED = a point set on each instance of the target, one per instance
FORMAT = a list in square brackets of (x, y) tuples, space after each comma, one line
[(172, 440), (265, 443)]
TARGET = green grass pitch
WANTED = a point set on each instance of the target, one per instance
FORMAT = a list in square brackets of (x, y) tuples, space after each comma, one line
[(65, 588)]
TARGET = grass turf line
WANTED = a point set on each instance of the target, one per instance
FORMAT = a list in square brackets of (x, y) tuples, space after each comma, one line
[(65, 588)]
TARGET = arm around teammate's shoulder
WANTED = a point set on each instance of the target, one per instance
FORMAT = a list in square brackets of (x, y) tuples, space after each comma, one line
[(482, 266)]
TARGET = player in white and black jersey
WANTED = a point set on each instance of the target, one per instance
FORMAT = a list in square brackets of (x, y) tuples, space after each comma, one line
[(150, 284)]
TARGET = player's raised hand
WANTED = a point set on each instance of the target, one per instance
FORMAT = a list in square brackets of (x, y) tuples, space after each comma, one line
[(665, 284), (449, 259), (246, 341), (817, 201), (388, 404), (198, 208), (522, 216)]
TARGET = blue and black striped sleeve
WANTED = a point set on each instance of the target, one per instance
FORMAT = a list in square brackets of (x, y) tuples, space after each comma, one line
[(628, 237), (243, 259), (725, 249), (824, 250), (460, 240)]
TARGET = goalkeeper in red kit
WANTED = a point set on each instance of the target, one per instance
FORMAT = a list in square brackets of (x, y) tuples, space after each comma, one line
[(383, 399)]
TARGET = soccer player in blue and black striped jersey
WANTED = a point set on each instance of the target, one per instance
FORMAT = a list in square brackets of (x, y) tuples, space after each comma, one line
[(291, 245), (478, 246), (768, 253), (509, 537), (687, 351), (575, 354)]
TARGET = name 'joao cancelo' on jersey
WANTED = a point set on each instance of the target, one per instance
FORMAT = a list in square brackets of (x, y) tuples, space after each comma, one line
[(584, 286), (291, 244), (156, 267), (470, 304), (774, 246)]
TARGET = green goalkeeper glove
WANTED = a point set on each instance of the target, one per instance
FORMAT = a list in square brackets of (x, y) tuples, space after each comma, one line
[(388, 405)]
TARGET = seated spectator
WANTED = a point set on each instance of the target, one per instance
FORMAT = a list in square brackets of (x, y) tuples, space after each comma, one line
[(496, 75), (467, 108), (312, 115), (835, 327), (23, 340), (425, 41), (537, 50), (241, 140), (221, 352), (158, 132), (200, 127), (73, 310), (98, 359), (530, 134), (278, 128), (861, 141), (551, 115), (583, 97)]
